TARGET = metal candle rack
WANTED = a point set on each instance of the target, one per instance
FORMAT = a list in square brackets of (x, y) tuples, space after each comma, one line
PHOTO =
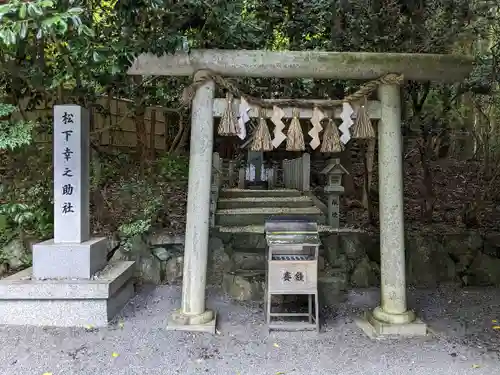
[(292, 269)]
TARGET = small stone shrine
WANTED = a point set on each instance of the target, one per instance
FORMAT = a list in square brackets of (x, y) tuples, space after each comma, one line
[(70, 283), (333, 189), (255, 172)]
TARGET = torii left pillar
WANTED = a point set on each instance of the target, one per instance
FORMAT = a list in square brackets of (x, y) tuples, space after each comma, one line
[(193, 315)]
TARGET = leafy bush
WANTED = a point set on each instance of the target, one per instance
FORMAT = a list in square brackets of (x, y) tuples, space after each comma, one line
[(147, 200), (26, 210), (173, 167), (13, 134)]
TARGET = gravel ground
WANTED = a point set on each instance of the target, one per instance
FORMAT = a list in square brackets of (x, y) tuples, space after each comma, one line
[(463, 341)]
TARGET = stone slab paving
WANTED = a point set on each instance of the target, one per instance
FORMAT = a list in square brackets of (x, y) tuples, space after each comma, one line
[(464, 341)]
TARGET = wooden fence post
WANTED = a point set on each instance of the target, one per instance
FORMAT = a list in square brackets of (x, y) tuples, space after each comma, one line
[(306, 172), (297, 173), (241, 177), (272, 176), (286, 174)]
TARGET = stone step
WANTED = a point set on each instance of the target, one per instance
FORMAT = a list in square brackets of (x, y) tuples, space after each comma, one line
[(257, 251), (251, 202), (247, 193), (259, 229), (249, 260), (252, 216)]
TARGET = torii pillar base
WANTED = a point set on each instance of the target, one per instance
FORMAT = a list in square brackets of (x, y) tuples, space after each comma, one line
[(197, 323)]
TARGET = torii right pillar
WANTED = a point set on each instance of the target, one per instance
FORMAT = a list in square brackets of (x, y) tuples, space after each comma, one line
[(392, 317)]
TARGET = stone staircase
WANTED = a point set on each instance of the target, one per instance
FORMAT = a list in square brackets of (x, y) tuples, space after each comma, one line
[(238, 207), (239, 225)]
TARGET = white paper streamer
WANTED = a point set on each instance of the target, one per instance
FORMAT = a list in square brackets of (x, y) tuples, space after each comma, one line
[(250, 173), (243, 118), (279, 136), (347, 122), (316, 118)]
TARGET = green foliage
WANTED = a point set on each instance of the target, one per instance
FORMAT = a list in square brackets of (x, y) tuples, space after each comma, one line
[(173, 168), (14, 134), (25, 210), (6, 110), (40, 18), (143, 201), (75, 52), (147, 206), (129, 231), (28, 217)]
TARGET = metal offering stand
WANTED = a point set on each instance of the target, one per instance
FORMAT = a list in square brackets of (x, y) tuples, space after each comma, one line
[(292, 269)]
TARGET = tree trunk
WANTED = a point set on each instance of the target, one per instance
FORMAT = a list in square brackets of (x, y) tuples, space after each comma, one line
[(426, 188), (181, 145), (152, 135)]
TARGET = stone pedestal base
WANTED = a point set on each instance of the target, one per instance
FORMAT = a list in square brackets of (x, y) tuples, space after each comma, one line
[(194, 323), (375, 328), (25, 300), (68, 260)]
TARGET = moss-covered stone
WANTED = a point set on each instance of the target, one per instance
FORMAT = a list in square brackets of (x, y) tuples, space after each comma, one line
[(244, 285)]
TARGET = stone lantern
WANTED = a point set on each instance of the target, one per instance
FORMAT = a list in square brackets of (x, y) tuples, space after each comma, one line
[(334, 172)]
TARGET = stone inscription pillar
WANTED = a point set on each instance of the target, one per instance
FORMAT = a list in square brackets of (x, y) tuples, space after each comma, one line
[(193, 316), (72, 253), (71, 174), (393, 307)]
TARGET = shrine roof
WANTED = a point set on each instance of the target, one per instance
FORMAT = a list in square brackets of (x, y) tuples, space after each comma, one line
[(337, 167)]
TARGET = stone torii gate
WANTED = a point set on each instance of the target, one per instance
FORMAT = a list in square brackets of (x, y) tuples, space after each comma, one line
[(392, 316)]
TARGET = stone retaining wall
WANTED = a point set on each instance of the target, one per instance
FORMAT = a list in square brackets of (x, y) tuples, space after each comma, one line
[(353, 260), (347, 260)]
